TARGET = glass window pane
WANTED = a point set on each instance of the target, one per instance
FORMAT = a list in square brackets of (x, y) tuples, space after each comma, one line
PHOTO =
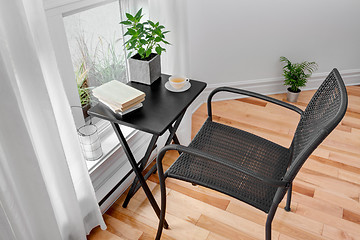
[(95, 40)]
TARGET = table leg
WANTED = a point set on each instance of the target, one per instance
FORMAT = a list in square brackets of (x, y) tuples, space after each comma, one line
[(172, 130), (137, 170), (134, 187), (176, 140), (137, 185)]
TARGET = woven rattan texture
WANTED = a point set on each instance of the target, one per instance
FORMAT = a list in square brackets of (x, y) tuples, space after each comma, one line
[(321, 110), (241, 149)]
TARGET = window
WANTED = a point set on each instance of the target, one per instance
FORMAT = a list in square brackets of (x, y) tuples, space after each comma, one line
[(88, 42), (86, 36), (95, 42), (93, 25), (87, 39)]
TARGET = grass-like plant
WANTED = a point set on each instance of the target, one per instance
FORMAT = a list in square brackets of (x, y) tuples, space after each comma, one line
[(104, 63), (108, 62), (144, 36), (296, 74), (81, 81)]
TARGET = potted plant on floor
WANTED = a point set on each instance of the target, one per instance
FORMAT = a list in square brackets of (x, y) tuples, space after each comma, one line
[(296, 75), (145, 37)]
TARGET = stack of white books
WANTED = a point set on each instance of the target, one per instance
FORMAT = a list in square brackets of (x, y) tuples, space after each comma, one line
[(119, 97)]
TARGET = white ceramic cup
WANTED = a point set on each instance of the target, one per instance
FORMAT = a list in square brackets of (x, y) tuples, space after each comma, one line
[(178, 82)]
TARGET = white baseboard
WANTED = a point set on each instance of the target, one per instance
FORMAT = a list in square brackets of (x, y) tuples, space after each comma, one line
[(269, 86)]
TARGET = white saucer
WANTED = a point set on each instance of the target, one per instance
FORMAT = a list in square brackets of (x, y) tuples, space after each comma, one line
[(183, 89)]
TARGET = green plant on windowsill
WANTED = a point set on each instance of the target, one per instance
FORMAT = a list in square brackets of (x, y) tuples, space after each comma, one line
[(144, 36), (84, 96), (81, 80)]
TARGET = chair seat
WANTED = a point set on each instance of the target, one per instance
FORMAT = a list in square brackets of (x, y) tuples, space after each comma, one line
[(241, 149)]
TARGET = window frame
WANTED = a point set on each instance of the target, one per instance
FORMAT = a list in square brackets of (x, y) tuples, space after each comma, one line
[(55, 14), (113, 167)]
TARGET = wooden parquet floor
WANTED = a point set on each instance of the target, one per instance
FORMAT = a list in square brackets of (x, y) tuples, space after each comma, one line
[(326, 191)]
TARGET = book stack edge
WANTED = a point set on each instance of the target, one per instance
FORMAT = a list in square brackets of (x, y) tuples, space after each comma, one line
[(119, 97)]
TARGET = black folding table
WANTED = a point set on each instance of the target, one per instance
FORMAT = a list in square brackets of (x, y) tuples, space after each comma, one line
[(162, 111)]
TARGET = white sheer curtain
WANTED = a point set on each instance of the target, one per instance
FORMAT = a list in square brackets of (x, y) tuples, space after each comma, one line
[(45, 189), (173, 15)]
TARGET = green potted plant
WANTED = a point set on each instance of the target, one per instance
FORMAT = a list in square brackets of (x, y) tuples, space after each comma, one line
[(296, 75), (145, 38)]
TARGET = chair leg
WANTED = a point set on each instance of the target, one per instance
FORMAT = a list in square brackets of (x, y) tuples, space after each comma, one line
[(288, 199), (277, 199), (269, 219)]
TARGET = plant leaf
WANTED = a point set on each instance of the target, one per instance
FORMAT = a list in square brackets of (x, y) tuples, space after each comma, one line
[(130, 17), (127, 22), (138, 14), (158, 31), (131, 31), (141, 51), (151, 23), (148, 52), (158, 49)]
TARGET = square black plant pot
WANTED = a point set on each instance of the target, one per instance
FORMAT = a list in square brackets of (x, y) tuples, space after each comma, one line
[(146, 70)]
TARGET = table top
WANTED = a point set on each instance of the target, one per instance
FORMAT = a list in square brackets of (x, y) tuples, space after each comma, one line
[(160, 108)]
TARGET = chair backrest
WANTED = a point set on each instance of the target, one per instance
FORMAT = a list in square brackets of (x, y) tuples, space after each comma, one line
[(323, 113)]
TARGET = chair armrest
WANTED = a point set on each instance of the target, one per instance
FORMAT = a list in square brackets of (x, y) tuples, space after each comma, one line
[(251, 94), (218, 160)]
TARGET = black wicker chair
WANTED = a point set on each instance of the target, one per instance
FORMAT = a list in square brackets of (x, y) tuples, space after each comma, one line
[(250, 168)]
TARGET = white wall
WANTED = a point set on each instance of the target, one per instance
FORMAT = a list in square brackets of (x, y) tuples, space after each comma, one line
[(232, 41)]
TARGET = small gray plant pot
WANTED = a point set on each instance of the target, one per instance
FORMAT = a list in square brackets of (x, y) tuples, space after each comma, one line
[(292, 96), (145, 71)]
